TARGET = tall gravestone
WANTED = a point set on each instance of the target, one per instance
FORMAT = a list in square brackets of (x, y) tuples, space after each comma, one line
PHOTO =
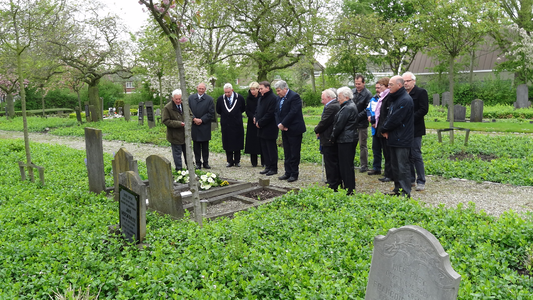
[(459, 113), (410, 263), (87, 112), (127, 112), (140, 113), (95, 159), (150, 114), (122, 162), (161, 191), (132, 206), (522, 97), (446, 98), (476, 111), (436, 99)]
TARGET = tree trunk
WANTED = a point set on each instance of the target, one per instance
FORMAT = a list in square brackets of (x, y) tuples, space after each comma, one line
[(471, 78), (450, 104), (42, 101), (313, 83), (160, 93), (79, 100), (193, 183), (23, 103), (94, 99), (10, 105)]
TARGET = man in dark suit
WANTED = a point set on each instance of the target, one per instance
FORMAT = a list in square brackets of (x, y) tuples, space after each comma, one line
[(361, 98), (230, 107), (290, 121), (323, 131), (203, 110), (267, 130), (421, 106), (173, 119)]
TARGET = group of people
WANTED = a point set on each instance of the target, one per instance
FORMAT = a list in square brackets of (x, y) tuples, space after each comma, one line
[(396, 113)]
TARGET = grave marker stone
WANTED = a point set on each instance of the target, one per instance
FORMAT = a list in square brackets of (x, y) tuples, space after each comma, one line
[(122, 162), (459, 113), (95, 159), (150, 114), (410, 263), (436, 99), (127, 112), (446, 98), (476, 111), (158, 112), (140, 113), (522, 97), (132, 207), (161, 191), (87, 112), (120, 111)]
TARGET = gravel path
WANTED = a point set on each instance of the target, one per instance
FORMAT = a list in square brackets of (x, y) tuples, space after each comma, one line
[(493, 198)]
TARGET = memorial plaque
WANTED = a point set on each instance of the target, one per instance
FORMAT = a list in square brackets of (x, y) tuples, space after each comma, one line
[(129, 207), (140, 113), (410, 264), (436, 100)]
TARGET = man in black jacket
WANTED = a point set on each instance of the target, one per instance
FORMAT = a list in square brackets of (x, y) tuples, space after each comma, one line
[(267, 129), (323, 131), (203, 110), (398, 130), (421, 106), (361, 98)]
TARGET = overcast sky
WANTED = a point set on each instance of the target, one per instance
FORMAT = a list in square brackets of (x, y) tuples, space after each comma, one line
[(130, 11)]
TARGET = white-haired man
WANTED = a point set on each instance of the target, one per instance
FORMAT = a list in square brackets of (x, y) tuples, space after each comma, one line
[(203, 110), (421, 106), (230, 107), (172, 117)]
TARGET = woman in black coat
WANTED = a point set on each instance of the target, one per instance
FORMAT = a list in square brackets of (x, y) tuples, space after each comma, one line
[(253, 146)]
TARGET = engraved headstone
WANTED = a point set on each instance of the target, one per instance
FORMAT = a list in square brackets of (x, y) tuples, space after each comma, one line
[(158, 112), (410, 263), (522, 97), (95, 159), (436, 99), (446, 98), (78, 114), (140, 113), (127, 112), (150, 114), (122, 162), (161, 192), (459, 113), (476, 111), (87, 113), (132, 207)]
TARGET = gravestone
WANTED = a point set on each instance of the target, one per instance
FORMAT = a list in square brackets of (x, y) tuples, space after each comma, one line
[(132, 207), (78, 114), (150, 114), (410, 263), (161, 191), (120, 111), (95, 159), (122, 162), (436, 100), (459, 113), (158, 112), (446, 98), (87, 112), (522, 97), (140, 115), (476, 111), (127, 112)]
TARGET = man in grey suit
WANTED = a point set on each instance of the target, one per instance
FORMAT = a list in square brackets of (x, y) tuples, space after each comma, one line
[(203, 110)]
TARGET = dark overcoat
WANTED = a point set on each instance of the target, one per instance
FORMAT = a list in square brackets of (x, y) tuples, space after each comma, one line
[(265, 118), (325, 126), (290, 113), (421, 106), (231, 123), (172, 118), (252, 145), (204, 109)]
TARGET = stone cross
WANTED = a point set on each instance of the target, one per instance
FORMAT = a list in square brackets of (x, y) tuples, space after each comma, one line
[(410, 263), (161, 192), (95, 159), (476, 111), (522, 97)]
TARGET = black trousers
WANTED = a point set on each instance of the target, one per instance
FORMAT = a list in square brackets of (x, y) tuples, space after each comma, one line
[(386, 155), (203, 148), (401, 168), (331, 164), (253, 160), (269, 150), (233, 157), (177, 149), (346, 153), (292, 145)]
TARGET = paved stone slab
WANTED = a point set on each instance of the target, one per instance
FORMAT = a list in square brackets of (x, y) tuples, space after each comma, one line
[(161, 192)]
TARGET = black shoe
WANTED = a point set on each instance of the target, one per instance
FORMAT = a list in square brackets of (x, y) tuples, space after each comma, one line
[(198, 166), (229, 165), (254, 165), (392, 193), (206, 166), (237, 165), (374, 172), (283, 177), (362, 170), (292, 179), (385, 179), (270, 173), (264, 171)]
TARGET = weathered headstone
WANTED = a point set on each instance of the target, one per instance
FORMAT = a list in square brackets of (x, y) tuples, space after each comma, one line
[(522, 97), (410, 263), (161, 191), (150, 114), (459, 113), (122, 162), (140, 113), (436, 99), (78, 114), (476, 111), (120, 111), (158, 112), (446, 98), (95, 159), (87, 112), (132, 207), (127, 112)]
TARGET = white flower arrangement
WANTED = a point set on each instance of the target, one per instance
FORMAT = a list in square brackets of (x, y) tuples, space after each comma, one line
[(206, 180)]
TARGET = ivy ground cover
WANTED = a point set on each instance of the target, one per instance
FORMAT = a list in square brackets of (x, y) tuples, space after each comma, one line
[(313, 245)]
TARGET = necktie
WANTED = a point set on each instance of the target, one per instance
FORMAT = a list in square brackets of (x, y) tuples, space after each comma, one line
[(229, 101), (281, 103), (179, 109)]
